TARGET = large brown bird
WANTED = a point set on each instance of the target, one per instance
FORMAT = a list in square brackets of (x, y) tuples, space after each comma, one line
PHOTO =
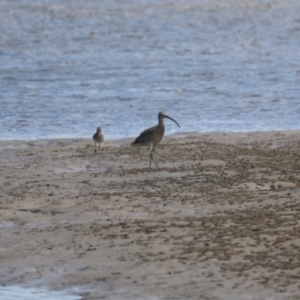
[(151, 137)]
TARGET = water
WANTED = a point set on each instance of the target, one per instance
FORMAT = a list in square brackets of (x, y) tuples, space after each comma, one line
[(20, 293), (70, 66)]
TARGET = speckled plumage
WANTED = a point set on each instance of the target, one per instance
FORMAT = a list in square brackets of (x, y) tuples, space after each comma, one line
[(98, 137), (152, 136)]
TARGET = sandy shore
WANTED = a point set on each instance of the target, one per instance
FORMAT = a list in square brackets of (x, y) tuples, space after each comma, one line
[(219, 220)]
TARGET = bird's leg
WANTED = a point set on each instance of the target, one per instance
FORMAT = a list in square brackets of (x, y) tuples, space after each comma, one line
[(140, 154), (95, 148), (151, 157), (151, 149), (154, 154)]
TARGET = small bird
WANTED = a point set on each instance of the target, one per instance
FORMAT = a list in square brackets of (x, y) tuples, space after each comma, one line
[(98, 138), (151, 137)]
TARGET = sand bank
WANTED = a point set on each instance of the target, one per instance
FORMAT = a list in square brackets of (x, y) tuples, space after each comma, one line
[(219, 220)]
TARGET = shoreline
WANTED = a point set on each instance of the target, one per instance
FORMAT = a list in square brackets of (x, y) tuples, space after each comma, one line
[(187, 133), (218, 220)]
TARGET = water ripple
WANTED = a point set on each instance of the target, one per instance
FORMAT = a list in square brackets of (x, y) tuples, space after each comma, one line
[(212, 65)]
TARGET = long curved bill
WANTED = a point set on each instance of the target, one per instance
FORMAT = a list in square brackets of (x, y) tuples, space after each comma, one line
[(172, 120)]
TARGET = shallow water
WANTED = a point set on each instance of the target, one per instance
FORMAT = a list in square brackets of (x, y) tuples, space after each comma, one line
[(70, 66), (17, 293)]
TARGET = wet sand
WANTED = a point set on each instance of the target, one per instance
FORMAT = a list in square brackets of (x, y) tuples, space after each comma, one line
[(219, 220)]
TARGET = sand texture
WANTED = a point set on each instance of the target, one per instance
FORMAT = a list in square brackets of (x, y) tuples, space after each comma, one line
[(218, 220)]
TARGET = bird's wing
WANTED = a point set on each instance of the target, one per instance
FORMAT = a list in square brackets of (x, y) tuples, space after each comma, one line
[(146, 136)]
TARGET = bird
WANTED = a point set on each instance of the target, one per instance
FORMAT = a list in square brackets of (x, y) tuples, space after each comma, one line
[(98, 137), (152, 136)]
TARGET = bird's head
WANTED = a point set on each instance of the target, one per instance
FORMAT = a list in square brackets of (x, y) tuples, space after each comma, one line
[(162, 115)]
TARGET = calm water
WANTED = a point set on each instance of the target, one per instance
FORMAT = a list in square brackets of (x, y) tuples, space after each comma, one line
[(20, 293), (70, 66)]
